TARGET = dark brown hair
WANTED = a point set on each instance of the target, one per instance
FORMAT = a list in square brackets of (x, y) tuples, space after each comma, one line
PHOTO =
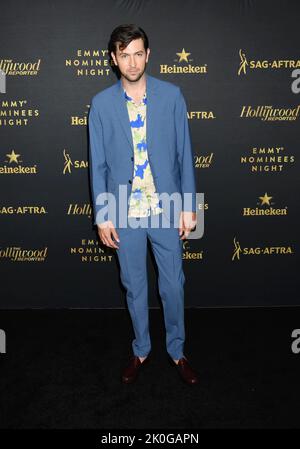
[(125, 34)]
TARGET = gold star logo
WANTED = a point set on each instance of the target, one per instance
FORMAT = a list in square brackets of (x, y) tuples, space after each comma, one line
[(265, 199), (183, 56), (13, 157)]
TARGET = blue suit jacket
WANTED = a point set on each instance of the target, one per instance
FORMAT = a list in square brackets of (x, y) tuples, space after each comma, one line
[(111, 154)]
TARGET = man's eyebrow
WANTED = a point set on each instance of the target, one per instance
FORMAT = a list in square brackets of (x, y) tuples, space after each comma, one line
[(123, 52)]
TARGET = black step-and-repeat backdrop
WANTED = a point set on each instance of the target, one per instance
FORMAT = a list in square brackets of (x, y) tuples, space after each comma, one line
[(238, 65)]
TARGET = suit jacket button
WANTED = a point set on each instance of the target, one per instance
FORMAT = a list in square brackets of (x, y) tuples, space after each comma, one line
[(129, 181), (132, 158)]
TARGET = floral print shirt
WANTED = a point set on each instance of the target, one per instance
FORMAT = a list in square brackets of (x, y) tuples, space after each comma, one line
[(144, 197)]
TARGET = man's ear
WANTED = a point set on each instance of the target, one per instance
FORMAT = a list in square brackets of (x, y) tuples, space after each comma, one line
[(113, 58), (148, 53)]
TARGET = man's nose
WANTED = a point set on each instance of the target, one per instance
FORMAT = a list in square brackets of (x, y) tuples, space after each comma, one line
[(132, 61)]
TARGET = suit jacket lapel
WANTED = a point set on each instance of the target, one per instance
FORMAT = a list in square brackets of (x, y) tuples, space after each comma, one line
[(152, 110), (152, 118)]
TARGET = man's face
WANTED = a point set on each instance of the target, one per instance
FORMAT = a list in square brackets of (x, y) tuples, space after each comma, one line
[(132, 60)]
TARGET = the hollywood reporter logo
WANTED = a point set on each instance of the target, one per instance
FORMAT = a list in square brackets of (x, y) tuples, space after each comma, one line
[(108, 211)]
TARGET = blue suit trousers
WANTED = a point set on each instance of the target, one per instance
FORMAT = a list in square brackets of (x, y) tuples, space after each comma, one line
[(132, 255)]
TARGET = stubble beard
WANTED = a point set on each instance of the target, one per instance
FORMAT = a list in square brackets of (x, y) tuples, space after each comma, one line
[(134, 78)]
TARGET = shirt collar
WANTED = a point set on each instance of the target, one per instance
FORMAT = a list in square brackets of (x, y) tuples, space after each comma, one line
[(128, 98)]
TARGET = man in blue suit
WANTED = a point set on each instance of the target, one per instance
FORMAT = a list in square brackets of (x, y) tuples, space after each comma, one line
[(141, 164)]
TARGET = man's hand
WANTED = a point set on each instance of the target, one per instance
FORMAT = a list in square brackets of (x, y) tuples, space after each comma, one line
[(187, 223), (106, 231)]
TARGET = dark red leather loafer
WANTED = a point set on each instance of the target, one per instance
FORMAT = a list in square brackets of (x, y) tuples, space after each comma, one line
[(132, 369), (185, 371)]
